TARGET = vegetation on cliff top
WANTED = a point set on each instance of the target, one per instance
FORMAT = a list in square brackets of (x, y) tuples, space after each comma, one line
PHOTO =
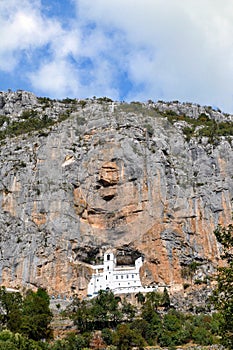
[(36, 119)]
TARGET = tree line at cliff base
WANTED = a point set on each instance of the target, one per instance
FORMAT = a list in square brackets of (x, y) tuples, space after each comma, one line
[(109, 321)]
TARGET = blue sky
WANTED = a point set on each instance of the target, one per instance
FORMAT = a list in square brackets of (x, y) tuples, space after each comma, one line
[(124, 49)]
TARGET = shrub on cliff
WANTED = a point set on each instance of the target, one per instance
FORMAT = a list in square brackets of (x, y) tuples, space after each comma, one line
[(29, 316), (223, 295)]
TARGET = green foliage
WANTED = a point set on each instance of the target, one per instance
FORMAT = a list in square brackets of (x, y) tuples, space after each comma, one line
[(104, 99), (153, 300), (206, 126), (101, 312), (223, 295), (36, 315), (165, 298), (45, 100), (140, 298), (128, 311), (29, 316), (27, 319), (125, 338), (68, 100), (81, 120), (149, 129), (189, 270), (71, 342), (11, 341), (11, 310), (29, 113), (107, 335), (188, 132), (30, 122), (82, 103), (4, 119), (180, 329), (139, 108)]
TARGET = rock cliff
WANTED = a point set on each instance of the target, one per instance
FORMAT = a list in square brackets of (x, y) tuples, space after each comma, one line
[(81, 176)]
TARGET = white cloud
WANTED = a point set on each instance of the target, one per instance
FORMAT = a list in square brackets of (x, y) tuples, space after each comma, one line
[(23, 28), (169, 49), (55, 78), (178, 49)]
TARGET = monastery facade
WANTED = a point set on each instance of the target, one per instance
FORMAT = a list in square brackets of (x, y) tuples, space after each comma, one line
[(119, 279)]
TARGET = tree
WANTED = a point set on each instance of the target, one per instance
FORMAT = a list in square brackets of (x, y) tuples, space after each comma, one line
[(151, 304), (128, 310), (36, 315), (140, 297), (126, 338), (10, 309), (106, 309), (80, 312), (223, 295), (11, 341), (151, 316), (166, 299)]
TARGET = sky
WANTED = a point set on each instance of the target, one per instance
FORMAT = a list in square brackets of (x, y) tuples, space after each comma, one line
[(128, 50)]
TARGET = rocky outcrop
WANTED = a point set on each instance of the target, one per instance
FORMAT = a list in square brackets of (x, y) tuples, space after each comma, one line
[(101, 177)]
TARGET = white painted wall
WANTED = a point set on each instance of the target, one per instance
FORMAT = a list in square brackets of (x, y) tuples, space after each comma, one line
[(125, 279)]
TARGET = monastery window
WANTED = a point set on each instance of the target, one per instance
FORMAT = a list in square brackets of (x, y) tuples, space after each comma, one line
[(106, 277), (132, 276), (107, 267), (116, 277), (127, 276), (97, 280), (122, 277), (108, 257)]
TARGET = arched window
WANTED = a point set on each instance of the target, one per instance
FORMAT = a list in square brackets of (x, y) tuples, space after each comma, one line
[(108, 257)]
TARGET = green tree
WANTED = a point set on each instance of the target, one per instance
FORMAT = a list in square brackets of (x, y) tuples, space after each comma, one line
[(106, 310), (146, 329), (166, 299), (80, 311), (36, 315), (10, 309), (75, 342), (11, 341), (107, 335), (128, 310), (150, 314), (126, 338), (150, 306), (174, 332), (140, 298), (223, 295)]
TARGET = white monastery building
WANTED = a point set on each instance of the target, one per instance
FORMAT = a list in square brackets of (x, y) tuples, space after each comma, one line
[(119, 279)]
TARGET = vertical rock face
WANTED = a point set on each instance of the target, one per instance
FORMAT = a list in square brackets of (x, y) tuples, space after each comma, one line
[(126, 179)]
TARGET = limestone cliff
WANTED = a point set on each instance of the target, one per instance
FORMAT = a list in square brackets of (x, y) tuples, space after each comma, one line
[(78, 177)]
